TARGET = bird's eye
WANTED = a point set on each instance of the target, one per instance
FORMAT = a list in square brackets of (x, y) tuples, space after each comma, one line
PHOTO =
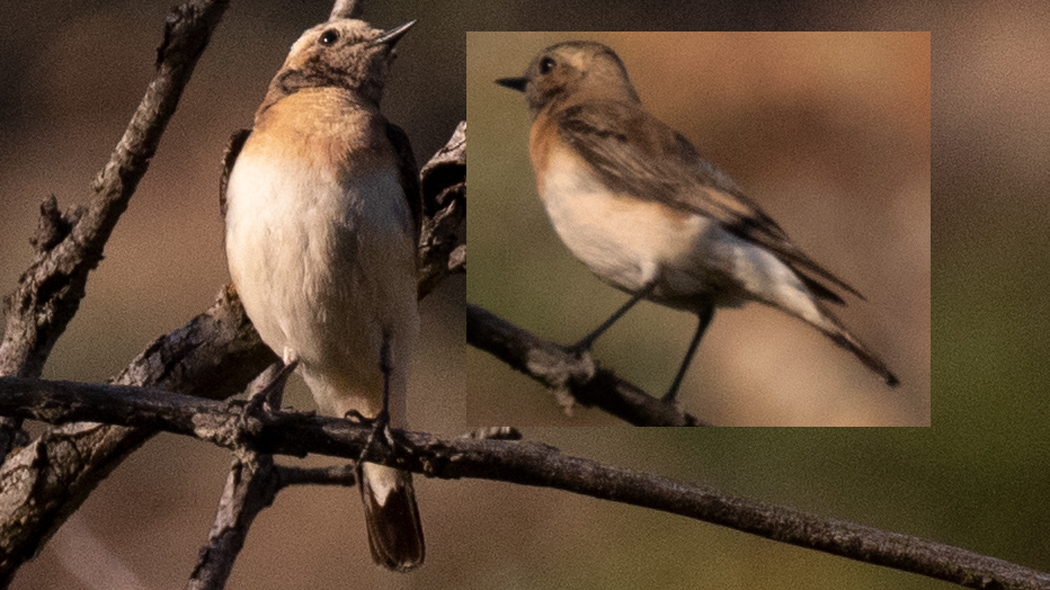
[(329, 37), (546, 65)]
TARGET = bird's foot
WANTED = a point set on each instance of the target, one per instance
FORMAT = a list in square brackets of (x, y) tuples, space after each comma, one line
[(381, 433)]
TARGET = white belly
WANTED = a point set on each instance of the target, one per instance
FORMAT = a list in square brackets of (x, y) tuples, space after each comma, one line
[(323, 272)]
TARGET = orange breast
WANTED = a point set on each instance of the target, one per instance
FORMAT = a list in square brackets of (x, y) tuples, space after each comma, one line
[(319, 127), (542, 137)]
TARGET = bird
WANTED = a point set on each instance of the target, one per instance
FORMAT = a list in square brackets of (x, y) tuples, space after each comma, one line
[(322, 207), (636, 203)]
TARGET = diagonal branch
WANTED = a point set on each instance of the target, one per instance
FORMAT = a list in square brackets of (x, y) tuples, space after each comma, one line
[(70, 246), (570, 373), (524, 463), (251, 486)]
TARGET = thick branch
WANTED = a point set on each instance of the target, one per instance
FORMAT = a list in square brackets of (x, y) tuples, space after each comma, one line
[(214, 355), (567, 371), (49, 293), (70, 246), (514, 462)]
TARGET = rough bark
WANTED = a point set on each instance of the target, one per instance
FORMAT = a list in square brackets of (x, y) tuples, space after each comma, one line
[(525, 463)]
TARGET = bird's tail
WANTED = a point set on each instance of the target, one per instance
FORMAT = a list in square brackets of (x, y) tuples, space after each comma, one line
[(804, 298), (395, 533), (833, 328)]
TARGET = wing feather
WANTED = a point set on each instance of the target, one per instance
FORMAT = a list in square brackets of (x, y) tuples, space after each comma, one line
[(634, 152)]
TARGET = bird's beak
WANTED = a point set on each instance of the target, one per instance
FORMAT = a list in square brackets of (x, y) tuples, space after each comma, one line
[(392, 36), (514, 83)]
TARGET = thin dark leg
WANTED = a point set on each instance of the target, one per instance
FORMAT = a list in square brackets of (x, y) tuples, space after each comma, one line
[(385, 368), (705, 318), (588, 340), (381, 423)]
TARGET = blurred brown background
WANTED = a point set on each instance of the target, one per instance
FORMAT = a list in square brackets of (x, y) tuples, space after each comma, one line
[(72, 73), (829, 132)]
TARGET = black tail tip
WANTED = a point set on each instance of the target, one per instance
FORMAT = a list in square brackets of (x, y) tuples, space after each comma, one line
[(395, 534)]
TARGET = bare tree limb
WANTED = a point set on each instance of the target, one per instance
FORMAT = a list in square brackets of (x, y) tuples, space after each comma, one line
[(525, 463), (69, 246), (571, 374), (215, 354), (251, 486), (443, 246)]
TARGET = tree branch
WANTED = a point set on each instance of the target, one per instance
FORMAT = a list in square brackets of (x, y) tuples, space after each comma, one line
[(214, 355), (251, 486), (443, 246), (574, 376), (254, 481), (69, 246), (526, 463)]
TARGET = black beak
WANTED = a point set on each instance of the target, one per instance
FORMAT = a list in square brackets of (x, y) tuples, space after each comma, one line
[(392, 36), (518, 84)]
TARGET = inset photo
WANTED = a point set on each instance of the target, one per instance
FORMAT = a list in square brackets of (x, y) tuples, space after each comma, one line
[(679, 229)]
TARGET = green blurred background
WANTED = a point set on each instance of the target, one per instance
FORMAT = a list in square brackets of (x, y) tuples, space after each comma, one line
[(72, 73)]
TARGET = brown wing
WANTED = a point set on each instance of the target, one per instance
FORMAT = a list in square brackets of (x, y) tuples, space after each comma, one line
[(408, 174), (635, 152), (229, 158)]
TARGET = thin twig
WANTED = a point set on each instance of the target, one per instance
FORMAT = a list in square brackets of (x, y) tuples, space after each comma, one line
[(522, 463), (570, 373), (336, 475), (251, 486)]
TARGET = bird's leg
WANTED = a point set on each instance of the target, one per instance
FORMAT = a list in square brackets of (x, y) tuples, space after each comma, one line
[(705, 318), (588, 340), (381, 422), (383, 419)]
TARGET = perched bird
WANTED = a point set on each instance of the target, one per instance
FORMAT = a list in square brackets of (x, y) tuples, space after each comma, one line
[(635, 202), (322, 208)]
